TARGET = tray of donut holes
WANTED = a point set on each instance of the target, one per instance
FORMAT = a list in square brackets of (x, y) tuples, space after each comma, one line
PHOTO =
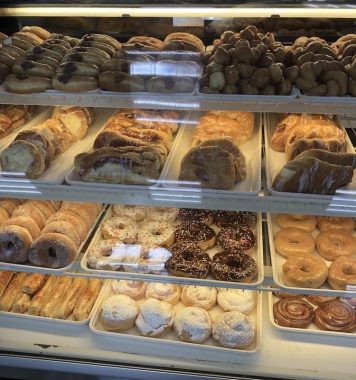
[(314, 252), (313, 314), (45, 236), (48, 298), (178, 245), (219, 152), (44, 151), (308, 155), (169, 316)]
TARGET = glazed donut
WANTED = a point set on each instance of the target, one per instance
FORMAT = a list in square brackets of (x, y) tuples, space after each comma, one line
[(70, 40), (236, 300), (293, 312), (195, 232), (121, 82), (163, 292), (33, 68), (186, 37), (237, 239), (40, 58), (199, 296), (14, 244), (136, 213), (225, 218), (335, 223), (233, 330), (134, 289), (58, 44), (74, 83), (289, 241), (4, 216), (335, 316), (29, 37), (41, 51), (122, 228), (342, 272), (304, 222), (156, 234), (98, 45), (37, 30), (32, 211), (78, 69), (193, 324), (23, 84), (102, 38), (72, 218), (317, 300), (9, 205), (86, 211), (195, 215), (25, 222), (63, 228), (169, 85), (92, 50), (44, 206), (84, 57), (334, 243), (17, 41), (234, 267), (52, 250), (188, 260), (304, 271)]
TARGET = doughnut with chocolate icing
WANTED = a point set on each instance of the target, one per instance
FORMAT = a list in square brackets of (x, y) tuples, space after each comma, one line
[(226, 218), (199, 233), (195, 215), (236, 239)]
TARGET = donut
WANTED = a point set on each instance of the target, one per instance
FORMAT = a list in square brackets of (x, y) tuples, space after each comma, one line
[(195, 232), (195, 215), (186, 37), (98, 45), (78, 69), (102, 38), (169, 85), (7, 59), (9, 205), (57, 44), (91, 50), (122, 228), (86, 211), (289, 241), (161, 214), (332, 244), (188, 260), (304, 222), (225, 218), (37, 30), (17, 41), (136, 213), (148, 41), (164, 292), (303, 271), (335, 223), (236, 300), (121, 82), (29, 37), (25, 222), (24, 84), (32, 211), (335, 315), (70, 40), (193, 325), (41, 51), (317, 300), (4, 216), (52, 250), (233, 330), (74, 83), (70, 217), (237, 239), (199, 296), (44, 206), (13, 51), (233, 267), (63, 228), (14, 244), (33, 68), (134, 289), (293, 312), (84, 57), (342, 272), (156, 234), (99, 255)]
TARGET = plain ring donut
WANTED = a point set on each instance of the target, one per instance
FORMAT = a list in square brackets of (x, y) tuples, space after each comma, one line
[(334, 222), (304, 222), (342, 272), (334, 243), (289, 241), (14, 244)]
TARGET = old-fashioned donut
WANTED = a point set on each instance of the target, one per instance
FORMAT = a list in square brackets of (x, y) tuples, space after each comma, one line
[(14, 244)]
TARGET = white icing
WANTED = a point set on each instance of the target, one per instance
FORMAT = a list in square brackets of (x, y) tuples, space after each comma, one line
[(237, 300), (164, 292), (200, 296), (118, 308), (133, 289)]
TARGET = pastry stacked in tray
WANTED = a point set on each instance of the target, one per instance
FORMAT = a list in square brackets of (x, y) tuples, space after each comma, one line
[(190, 313), (315, 312), (317, 250), (215, 160), (131, 149), (45, 233), (14, 116), (186, 242), (7, 207), (33, 149), (47, 296), (315, 149)]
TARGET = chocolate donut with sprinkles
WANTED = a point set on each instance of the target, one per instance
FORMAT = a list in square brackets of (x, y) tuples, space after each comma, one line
[(199, 233), (226, 218), (235, 239), (195, 215)]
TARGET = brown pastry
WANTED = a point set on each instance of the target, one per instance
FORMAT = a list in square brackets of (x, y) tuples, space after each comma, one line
[(14, 244), (13, 288), (34, 283), (293, 312), (40, 298), (24, 222), (5, 278), (87, 299), (21, 303)]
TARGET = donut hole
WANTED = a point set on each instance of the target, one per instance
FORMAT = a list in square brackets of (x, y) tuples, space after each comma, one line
[(52, 252), (337, 244), (233, 262), (304, 269), (187, 256), (120, 226), (157, 233), (348, 270), (10, 247), (294, 241)]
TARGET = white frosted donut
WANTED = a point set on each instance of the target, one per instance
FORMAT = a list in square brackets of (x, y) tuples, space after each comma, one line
[(163, 292), (193, 324), (162, 214), (134, 289), (233, 329), (156, 234), (155, 318), (199, 296), (237, 300), (121, 228), (100, 255), (136, 213)]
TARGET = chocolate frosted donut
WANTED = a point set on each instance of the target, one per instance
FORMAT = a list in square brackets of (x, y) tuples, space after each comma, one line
[(195, 215), (293, 312), (234, 267), (188, 260), (236, 239), (199, 233), (225, 218)]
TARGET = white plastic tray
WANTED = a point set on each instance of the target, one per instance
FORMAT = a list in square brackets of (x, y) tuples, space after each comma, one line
[(169, 340), (276, 160), (312, 329), (278, 260), (251, 150), (73, 177), (257, 254), (59, 167)]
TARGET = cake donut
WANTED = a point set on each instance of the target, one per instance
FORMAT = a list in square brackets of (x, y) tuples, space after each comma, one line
[(24, 222), (195, 232), (102, 38), (163, 292), (136, 213), (70, 217), (9, 205), (237, 239), (225, 218), (63, 228), (335, 223), (121, 228), (195, 215), (289, 241), (233, 330), (24, 84), (332, 244), (74, 83), (193, 325), (4, 216), (86, 211), (134, 289), (203, 297), (15, 242), (156, 234), (304, 222), (188, 260), (293, 312), (236, 300), (37, 215), (161, 214), (52, 250), (234, 267), (342, 272)]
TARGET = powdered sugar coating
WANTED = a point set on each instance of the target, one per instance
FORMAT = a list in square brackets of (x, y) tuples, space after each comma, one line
[(134, 289), (236, 300), (199, 296), (163, 292)]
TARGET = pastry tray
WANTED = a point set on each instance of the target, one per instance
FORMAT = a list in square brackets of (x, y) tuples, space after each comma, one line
[(312, 329), (169, 341), (257, 254), (326, 99), (19, 267), (251, 150), (275, 161), (278, 260), (54, 321), (73, 177), (62, 163)]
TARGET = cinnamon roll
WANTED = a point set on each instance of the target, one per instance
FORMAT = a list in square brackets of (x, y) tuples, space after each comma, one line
[(293, 312)]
